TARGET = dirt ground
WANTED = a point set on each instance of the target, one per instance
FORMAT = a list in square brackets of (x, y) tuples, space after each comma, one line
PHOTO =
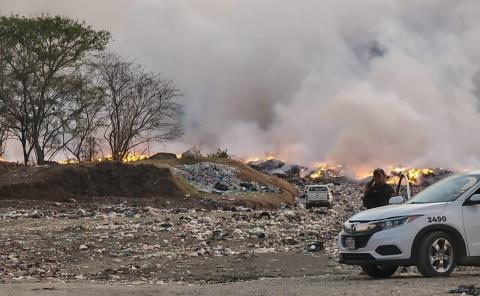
[(122, 249), (128, 242), (329, 284), (118, 248)]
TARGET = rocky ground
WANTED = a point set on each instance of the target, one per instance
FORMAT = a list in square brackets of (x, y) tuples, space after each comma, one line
[(112, 246), (329, 284), (131, 242)]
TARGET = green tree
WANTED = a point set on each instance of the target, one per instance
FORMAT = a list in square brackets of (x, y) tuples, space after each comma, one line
[(41, 59)]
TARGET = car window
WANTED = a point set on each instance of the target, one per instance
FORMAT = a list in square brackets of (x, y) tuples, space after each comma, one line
[(476, 191), (448, 189), (318, 189)]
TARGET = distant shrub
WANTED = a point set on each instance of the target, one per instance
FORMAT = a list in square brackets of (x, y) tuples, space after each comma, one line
[(219, 154)]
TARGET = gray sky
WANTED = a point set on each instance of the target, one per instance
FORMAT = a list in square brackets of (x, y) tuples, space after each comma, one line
[(365, 83)]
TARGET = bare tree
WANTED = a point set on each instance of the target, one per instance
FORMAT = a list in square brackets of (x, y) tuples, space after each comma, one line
[(79, 135), (80, 139), (3, 135), (139, 105)]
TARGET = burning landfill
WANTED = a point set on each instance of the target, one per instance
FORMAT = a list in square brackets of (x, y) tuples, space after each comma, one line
[(310, 122), (326, 173), (222, 214)]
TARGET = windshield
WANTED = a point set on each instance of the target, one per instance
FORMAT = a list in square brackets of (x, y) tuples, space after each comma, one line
[(448, 189)]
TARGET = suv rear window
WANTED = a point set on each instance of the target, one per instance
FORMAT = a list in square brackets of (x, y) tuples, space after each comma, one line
[(318, 189)]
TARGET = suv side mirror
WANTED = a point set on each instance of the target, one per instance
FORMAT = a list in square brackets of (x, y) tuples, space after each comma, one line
[(396, 200), (473, 200)]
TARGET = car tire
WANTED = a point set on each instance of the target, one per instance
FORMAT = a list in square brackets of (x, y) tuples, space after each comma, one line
[(308, 206), (436, 254), (329, 206), (379, 271)]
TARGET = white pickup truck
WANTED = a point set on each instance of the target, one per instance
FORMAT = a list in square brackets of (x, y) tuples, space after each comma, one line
[(436, 230), (318, 195)]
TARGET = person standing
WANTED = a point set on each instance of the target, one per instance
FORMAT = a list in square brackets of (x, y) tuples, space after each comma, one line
[(377, 192)]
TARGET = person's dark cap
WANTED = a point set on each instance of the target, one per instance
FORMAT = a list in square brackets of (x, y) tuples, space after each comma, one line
[(379, 172)]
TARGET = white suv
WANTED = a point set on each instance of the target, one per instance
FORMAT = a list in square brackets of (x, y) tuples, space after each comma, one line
[(436, 230)]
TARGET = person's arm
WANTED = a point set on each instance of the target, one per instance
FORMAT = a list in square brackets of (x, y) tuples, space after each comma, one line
[(366, 190), (367, 186), (391, 192)]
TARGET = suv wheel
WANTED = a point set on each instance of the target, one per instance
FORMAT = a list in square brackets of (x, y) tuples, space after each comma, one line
[(308, 206), (379, 271), (436, 255)]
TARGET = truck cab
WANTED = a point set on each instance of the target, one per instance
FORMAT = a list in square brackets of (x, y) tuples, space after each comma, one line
[(436, 230)]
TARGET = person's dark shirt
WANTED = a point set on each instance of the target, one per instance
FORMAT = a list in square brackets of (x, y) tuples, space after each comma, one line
[(377, 195)]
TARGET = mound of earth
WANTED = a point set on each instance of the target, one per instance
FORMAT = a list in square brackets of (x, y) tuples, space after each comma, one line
[(141, 179), (244, 173), (163, 155), (6, 167), (60, 182)]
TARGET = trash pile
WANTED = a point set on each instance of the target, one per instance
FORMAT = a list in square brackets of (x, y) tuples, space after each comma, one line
[(299, 175), (219, 179), (290, 172), (192, 153), (267, 166)]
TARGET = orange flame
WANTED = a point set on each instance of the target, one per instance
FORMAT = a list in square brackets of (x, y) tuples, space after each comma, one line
[(130, 157), (68, 161), (256, 158), (413, 174), (328, 170), (325, 169)]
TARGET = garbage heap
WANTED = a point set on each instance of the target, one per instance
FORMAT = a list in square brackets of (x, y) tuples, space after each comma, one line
[(290, 172), (219, 179)]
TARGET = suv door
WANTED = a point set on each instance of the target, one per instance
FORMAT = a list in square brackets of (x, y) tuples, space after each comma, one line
[(471, 225)]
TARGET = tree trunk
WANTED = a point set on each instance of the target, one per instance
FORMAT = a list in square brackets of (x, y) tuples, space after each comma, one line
[(117, 155), (26, 155), (39, 153)]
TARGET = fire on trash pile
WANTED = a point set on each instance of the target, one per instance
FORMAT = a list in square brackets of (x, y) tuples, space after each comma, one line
[(338, 174)]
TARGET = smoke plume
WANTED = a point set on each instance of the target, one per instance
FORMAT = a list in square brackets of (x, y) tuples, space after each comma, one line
[(364, 83)]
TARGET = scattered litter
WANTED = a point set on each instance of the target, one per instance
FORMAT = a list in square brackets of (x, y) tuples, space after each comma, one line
[(315, 247), (135, 242), (467, 290)]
